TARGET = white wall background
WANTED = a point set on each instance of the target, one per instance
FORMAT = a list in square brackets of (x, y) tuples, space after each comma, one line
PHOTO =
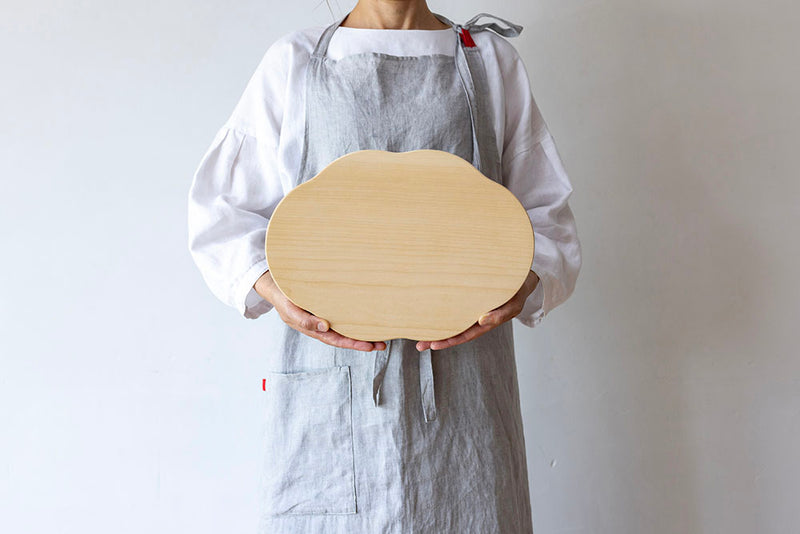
[(663, 397)]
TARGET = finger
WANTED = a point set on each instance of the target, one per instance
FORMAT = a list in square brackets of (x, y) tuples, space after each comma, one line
[(467, 335), (470, 333), (487, 321), (488, 318), (498, 316), (303, 320), (333, 337), (319, 328), (423, 345), (495, 315)]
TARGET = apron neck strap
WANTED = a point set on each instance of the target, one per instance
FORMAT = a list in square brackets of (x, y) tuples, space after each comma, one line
[(322, 45), (511, 31)]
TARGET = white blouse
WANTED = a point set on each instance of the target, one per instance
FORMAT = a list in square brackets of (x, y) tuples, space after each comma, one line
[(254, 158)]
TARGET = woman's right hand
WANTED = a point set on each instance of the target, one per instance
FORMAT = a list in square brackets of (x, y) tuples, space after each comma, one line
[(305, 322)]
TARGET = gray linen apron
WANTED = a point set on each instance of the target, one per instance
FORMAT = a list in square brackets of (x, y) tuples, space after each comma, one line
[(396, 441)]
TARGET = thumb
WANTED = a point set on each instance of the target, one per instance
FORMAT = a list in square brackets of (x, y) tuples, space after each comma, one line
[(486, 318)]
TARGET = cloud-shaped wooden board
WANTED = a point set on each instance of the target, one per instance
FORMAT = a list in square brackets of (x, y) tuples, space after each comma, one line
[(389, 245)]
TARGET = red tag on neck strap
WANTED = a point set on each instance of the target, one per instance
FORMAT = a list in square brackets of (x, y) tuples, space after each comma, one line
[(466, 38)]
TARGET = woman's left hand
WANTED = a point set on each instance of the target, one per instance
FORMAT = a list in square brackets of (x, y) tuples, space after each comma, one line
[(488, 320)]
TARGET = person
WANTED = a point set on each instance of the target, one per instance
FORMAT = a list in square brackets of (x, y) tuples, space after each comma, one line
[(397, 435)]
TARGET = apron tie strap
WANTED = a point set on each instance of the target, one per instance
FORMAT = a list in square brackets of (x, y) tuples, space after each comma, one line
[(513, 30), (426, 389), (379, 371)]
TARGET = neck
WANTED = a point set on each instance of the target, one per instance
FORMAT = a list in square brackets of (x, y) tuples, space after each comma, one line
[(393, 15)]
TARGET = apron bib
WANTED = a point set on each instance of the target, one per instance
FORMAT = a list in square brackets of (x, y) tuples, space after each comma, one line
[(397, 440)]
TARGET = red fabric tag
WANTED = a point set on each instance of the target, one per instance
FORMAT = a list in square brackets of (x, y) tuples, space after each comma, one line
[(466, 38)]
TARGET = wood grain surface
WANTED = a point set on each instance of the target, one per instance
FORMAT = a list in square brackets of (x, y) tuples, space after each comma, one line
[(391, 245)]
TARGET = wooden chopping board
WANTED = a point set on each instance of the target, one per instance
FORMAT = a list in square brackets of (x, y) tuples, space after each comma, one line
[(389, 245)]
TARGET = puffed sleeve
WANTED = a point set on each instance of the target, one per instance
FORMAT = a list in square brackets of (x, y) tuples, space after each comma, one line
[(534, 172), (235, 190)]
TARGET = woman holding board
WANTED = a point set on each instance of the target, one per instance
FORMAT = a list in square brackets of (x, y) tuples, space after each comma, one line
[(397, 435)]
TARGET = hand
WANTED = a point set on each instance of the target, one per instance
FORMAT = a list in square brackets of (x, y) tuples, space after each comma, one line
[(488, 320), (307, 323)]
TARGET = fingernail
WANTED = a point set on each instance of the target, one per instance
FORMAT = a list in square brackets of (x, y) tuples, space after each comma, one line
[(321, 327)]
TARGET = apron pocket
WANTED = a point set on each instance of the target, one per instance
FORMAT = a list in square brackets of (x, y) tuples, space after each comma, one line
[(309, 466)]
